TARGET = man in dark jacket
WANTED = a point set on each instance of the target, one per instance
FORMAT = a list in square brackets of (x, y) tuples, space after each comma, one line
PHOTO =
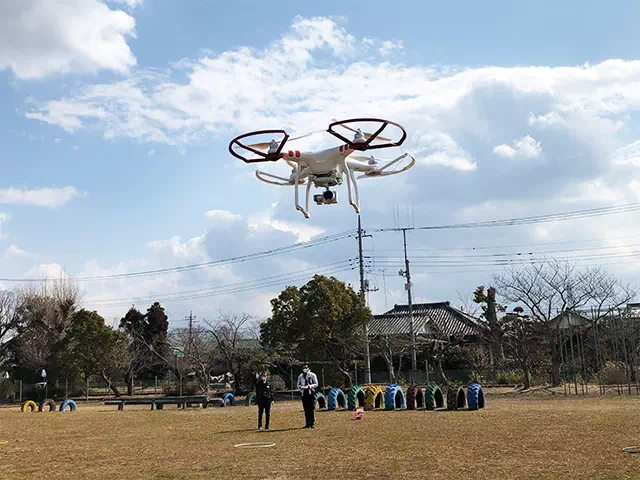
[(264, 397)]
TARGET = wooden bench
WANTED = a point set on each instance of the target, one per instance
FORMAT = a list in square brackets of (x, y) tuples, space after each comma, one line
[(159, 403)]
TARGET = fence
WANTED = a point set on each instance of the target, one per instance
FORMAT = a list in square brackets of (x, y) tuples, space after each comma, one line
[(13, 391)]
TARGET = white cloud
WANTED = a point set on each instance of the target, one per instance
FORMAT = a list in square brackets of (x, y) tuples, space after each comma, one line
[(266, 221), (221, 216), (129, 3), (41, 38), (4, 217), (39, 197), (627, 155), (548, 120), (523, 148), (13, 251), (313, 73), (388, 47), (441, 149), (51, 271)]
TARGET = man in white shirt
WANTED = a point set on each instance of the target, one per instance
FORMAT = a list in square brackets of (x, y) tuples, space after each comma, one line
[(308, 384)]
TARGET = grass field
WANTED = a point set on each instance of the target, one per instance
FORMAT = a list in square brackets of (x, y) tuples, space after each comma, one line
[(523, 437)]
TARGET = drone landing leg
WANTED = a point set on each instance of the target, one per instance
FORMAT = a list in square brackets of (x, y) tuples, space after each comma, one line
[(308, 194), (355, 188), (355, 206), (297, 184)]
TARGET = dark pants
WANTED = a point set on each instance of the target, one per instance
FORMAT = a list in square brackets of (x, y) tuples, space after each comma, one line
[(309, 410), (264, 406)]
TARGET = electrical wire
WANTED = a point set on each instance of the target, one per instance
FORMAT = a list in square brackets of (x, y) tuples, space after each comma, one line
[(511, 254), (588, 213), (509, 261), (283, 276), (214, 263), (241, 286), (521, 245)]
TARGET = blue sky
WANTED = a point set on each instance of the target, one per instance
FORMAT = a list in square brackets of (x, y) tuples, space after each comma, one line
[(115, 119)]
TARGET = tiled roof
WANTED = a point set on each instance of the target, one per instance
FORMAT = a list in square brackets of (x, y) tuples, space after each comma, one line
[(429, 320)]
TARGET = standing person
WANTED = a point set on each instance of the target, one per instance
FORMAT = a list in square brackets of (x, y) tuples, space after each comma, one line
[(264, 397), (307, 384)]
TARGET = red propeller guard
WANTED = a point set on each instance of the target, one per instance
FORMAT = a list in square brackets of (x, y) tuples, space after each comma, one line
[(366, 145), (266, 157)]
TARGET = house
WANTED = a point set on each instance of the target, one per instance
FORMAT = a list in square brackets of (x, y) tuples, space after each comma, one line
[(437, 321), (570, 320)]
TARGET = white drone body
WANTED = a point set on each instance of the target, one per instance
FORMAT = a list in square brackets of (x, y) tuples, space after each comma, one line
[(328, 168)]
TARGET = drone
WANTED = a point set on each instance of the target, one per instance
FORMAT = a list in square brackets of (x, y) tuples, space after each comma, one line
[(329, 167)]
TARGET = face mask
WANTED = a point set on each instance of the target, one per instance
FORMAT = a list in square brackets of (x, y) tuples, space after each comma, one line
[(305, 370)]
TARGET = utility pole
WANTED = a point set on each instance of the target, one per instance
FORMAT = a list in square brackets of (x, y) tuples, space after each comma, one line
[(363, 289), (407, 274), (191, 318)]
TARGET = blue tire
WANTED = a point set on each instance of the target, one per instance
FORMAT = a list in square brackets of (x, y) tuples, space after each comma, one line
[(475, 397), (68, 403), (336, 399), (228, 399), (394, 397)]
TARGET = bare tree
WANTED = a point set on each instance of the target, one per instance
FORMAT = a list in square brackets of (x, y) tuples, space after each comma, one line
[(199, 354), (47, 309), (391, 347), (11, 322), (522, 338), (550, 288), (236, 344), (468, 304)]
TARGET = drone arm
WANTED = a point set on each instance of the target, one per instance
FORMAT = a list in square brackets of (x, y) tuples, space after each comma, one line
[(381, 171), (282, 181), (393, 162)]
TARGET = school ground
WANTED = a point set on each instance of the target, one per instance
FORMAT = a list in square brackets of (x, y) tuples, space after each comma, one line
[(516, 436)]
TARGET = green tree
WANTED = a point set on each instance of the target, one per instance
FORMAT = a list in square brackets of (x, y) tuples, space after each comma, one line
[(323, 320), (91, 347), (156, 336)]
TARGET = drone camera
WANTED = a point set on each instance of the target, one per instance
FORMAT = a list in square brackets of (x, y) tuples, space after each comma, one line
[(326, 198)]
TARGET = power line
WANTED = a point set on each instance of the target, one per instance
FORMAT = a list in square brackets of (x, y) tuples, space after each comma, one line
[(256, 284), (588, 213), (444, 269), (452, 261), (281, 276), (226, 261), (520, 245)]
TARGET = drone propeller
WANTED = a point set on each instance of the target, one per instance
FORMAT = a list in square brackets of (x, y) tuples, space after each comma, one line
[(263, 145), (367, 135)]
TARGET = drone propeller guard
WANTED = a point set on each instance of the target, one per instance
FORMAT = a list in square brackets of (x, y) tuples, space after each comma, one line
[(265, 157), (366, 145)]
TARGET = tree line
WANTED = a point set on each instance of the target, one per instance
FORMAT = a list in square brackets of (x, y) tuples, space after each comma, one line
[(520, 328)]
